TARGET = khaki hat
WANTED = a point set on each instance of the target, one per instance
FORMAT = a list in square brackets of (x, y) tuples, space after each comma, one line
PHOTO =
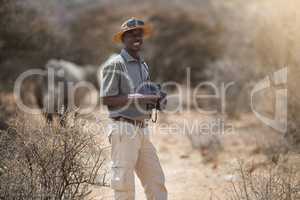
[(130, 24)]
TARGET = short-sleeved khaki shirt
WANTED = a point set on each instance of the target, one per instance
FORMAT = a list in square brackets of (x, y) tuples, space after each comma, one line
[(123, 75)]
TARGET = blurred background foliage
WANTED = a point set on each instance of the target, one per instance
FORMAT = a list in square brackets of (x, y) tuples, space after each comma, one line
[(32, 32), (220, 41)]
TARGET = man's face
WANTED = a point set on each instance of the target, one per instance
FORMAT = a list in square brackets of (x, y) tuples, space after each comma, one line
[(133, 39)]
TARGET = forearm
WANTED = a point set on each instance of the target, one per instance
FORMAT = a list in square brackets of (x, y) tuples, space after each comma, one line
[(123, 100), (115, 101)]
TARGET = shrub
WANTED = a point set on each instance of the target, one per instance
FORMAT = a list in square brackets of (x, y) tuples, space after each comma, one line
[(268, 184), (40, 161)]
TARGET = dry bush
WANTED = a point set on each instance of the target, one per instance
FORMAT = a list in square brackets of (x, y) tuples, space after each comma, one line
[(272, 183), (39, 161)]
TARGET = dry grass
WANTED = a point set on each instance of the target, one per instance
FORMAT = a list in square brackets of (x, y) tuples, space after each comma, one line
[(270, 183), (40, 161)]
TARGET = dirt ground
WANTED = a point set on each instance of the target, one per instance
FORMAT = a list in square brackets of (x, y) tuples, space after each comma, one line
[(188, 177)]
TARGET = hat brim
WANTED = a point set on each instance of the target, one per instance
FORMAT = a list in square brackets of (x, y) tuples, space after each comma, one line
[(147, 29)]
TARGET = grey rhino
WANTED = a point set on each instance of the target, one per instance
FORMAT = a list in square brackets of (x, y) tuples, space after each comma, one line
[(53, 88)]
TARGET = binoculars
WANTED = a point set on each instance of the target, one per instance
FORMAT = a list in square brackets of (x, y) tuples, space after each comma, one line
[(150, 88)]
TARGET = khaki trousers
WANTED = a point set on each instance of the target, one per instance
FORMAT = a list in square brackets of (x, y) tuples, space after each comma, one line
[(132, 152)]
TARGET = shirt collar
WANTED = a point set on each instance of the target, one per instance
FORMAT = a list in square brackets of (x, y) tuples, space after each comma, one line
[(129, 58)]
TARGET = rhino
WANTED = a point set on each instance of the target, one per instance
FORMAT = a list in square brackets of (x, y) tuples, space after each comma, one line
[(53, 88)]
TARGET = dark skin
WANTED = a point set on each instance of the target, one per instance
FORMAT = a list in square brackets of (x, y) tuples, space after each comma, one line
[(130, 38), (132, 41)]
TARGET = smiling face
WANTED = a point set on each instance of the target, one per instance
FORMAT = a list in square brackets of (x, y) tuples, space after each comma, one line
[(133, 40)]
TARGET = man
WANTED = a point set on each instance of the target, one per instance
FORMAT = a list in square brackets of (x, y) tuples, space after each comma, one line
[(132, 150)]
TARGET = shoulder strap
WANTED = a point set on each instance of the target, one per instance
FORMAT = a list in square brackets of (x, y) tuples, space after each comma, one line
[(147, 69)]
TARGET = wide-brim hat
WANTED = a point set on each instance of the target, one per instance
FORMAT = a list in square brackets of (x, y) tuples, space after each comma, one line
[(130, 24)]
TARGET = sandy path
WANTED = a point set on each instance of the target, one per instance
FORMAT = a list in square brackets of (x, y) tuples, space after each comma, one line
[(187, 177)]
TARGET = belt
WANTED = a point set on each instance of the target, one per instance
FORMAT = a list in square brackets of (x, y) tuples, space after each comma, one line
[(139, 123)]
